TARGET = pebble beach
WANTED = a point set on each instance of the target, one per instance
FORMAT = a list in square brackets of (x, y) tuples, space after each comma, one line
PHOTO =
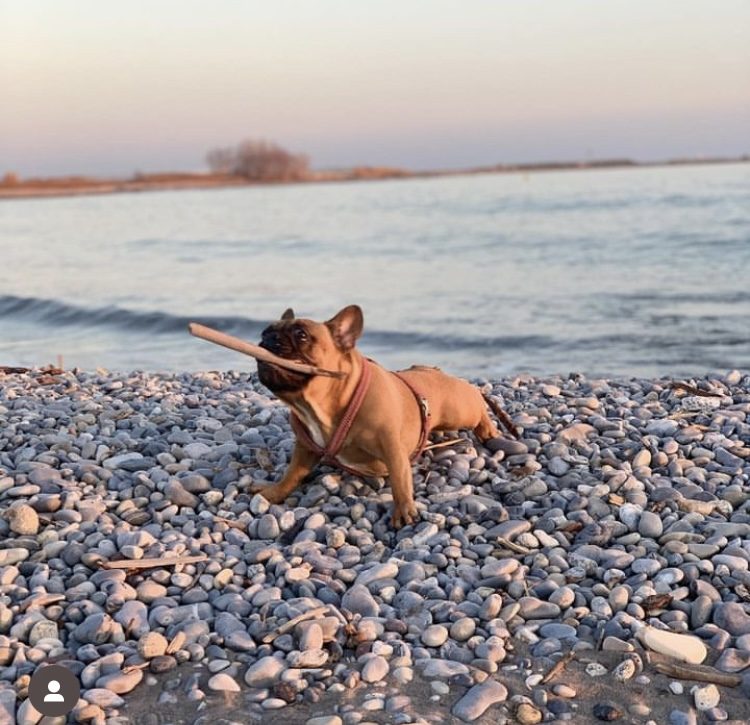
[(559, 577)]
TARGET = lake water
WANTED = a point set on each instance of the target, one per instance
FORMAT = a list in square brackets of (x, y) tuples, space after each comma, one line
[(613, 272)]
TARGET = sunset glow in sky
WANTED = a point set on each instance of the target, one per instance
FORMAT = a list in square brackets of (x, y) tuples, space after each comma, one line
[(113, 87)]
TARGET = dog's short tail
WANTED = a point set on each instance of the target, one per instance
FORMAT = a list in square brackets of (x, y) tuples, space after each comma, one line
[(503, 417)]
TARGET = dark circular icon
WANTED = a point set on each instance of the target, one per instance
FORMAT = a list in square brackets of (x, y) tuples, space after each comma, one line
[(54, 690)]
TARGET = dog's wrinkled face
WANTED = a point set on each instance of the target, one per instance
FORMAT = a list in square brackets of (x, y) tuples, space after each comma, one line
[(315, 343)]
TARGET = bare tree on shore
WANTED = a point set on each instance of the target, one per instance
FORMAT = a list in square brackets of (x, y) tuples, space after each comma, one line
[(259, 161)]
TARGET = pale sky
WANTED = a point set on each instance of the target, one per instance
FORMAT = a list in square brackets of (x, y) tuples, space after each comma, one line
[(94, 86)]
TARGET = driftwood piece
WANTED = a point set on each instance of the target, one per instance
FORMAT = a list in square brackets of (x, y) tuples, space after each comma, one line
[(558, 667), (37, 601), (259, 353), (504, 543), (443, 444), (293, 622), (153, 563), (232, 523), (698, 673), (686, 387)]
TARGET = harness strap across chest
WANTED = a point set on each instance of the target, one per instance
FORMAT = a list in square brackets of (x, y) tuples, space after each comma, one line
[(329, 453)]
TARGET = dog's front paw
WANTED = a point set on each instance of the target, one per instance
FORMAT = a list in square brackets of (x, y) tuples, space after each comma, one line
[(404, 514), (272, 493)]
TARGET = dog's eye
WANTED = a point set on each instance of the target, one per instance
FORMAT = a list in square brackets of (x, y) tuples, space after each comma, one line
[(301, 335)]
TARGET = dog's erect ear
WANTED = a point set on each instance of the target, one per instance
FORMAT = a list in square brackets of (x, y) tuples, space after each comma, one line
[(346, 327), (288, 314)]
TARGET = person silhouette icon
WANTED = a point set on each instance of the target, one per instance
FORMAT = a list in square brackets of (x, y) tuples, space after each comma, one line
[(54, 692)]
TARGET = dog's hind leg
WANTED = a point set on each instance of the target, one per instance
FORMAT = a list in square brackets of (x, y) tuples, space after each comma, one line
[(486, 428)]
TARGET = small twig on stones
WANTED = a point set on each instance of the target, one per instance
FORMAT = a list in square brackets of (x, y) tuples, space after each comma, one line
[(699, 673), (41, 600), (515, 548), (132, 668), (293, 622), (558, 667), (443, 444), (231, 523), (152, 563), (676, 385)]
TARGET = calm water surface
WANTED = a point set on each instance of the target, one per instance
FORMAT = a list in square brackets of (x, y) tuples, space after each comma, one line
[(616, 272)]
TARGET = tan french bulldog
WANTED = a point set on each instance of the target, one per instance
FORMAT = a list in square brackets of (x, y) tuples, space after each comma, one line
[(369, 421)]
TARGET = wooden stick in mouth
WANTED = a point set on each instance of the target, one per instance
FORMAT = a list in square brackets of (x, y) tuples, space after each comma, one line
[(259, 353)]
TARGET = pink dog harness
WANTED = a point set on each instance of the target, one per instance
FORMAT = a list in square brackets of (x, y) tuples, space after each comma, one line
[(329, 453)]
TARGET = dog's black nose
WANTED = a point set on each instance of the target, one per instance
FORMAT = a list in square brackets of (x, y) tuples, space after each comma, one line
[(271, 340)]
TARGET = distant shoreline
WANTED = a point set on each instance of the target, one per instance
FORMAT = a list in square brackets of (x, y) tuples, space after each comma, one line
[(11, 188)]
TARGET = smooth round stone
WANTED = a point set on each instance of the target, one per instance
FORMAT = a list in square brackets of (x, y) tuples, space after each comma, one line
[(463, 629), (535, 608), (630, 515), (9, 557), (388, 570), (615, 644), (222, 682), (273, 703), (649, 567), (618, 598), (23, 520), (479, 699), (700, 612), (706, 697), (650, 525), (733, 563), (733, 660), (43, 629), (163, 663), (558, 631), (403, 675), (683, 647), (177, 494), (268, 527), (624, 671), (375, 669), (359, 600), (120, 682), (563, 597), (557, 466), (527, 714), (440, 688), (743, 642), (564, 691), (731, 616), (434, 635), (152, 644), (265, 672), (443, 669), (312, 637), (149, 591)]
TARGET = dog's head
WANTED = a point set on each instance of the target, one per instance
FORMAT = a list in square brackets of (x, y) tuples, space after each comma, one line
[(324, 344)]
